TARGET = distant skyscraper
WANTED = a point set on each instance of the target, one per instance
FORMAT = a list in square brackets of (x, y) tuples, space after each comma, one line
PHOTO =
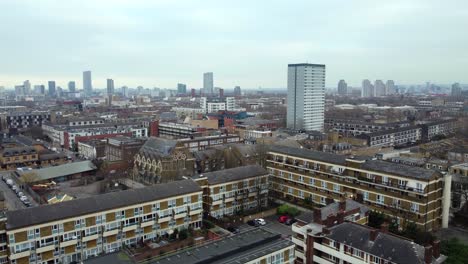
[(342, 87), (456, 89), (26, 87), (124, 90), (87, 82), (71, 86), (306, 96), (379, 88), (110, 86), (181, 88), (39, 89), (367, 89), (391, 89), (208, 83), (237, 91), (52, 90)]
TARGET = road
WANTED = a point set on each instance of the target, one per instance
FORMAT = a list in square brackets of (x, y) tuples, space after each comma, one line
[(12, 201)]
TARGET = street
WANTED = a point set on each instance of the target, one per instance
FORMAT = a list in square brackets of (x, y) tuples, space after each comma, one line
[(12, 201)]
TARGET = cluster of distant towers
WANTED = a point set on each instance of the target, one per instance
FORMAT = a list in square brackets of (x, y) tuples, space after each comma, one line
[(379, 88)]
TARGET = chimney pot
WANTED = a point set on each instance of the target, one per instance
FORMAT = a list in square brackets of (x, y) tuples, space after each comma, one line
[(436, 249), (428, 254), (384, 227), (373, 234)]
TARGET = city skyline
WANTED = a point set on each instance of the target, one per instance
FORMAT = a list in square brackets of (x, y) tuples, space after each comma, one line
[(139, 42)]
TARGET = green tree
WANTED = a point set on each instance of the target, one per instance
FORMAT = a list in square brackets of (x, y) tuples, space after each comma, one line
[(456, 251)]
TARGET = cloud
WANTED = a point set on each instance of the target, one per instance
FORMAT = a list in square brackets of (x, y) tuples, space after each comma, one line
[(247, 43)]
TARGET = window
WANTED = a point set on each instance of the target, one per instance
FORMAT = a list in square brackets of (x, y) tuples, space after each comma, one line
[(419, 187), (324, 185), (414, 207), (380, 199), (365, 195), (336, 187), (312, 181), (323, 200), (290, 176), (301, 194), (290, 191)]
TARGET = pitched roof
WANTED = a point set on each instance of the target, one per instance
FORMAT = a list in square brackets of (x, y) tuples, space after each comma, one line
[(386, 246), (158, 146), (79, 207), (62, 170), (235, 174)]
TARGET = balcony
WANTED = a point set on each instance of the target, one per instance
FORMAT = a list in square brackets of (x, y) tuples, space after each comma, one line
[(148, 223), (299, 253), (110, 232), (128, 228), (164, 219), (68, 243), (90, 237), (180, 215), (298, 241), (19, 255), (45, 248), (195, 212)]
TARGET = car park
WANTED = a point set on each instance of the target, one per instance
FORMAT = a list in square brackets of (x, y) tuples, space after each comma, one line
[(253, 223), (233, 229), (283, 218), (260, 221)]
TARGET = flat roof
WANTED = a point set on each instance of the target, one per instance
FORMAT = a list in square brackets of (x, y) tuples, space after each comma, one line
[(305, 64), (99, 203), (241, 248)]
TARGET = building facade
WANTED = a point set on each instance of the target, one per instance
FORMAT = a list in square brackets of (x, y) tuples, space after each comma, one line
[(403, 192), (208, 83), (228, 192), (79, 229), (306, 96)]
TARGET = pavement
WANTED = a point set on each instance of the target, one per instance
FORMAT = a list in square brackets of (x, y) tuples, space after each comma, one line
[(272, 224), (11, 200)]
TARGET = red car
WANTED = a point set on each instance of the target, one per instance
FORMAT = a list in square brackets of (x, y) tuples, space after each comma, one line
[(283, 218)]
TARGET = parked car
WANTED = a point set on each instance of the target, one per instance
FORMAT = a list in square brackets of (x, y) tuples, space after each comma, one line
[(9, 182), (233, 229), (260, 221), (23, 198), (5, 178), (290, 221), (14, 187), (19, 194), (283, 218), (27, 203), (253, 223), (18, 190)]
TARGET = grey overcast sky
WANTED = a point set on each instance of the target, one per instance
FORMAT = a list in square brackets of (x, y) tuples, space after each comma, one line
[(248, 43)]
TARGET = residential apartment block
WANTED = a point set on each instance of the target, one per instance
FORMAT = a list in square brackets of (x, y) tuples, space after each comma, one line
[(227, 192), (403, 192), (82, 228), (394, 137), (347, 242)]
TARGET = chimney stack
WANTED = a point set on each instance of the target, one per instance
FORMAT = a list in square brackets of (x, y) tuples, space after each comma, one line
[(373, 234), (317, 216), (384, 227), (436, 249), (340, 217), (342, 205), (428, 254)]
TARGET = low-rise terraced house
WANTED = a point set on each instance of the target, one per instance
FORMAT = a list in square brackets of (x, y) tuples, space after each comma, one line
[(400, 191), (82, 228)]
